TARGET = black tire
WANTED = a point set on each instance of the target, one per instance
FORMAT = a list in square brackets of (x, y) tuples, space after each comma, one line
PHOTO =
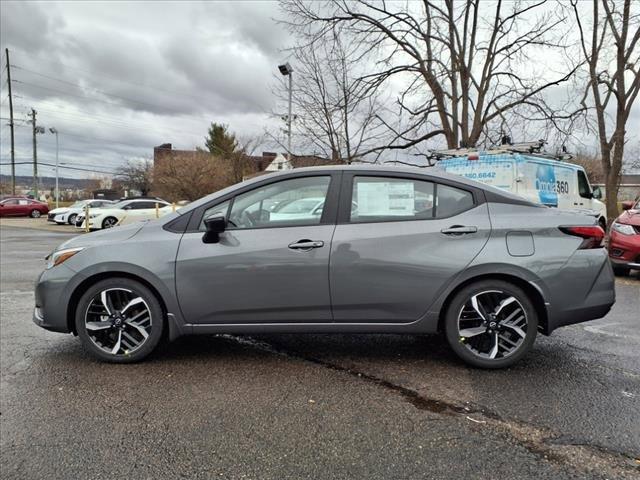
[(621, 271), (156, 323), (35, 213), (72, 219), (109, 222), (462, 346), (603, 224)]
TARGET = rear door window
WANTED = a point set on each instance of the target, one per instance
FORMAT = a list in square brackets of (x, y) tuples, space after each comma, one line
[(452, 201), (380, 199)]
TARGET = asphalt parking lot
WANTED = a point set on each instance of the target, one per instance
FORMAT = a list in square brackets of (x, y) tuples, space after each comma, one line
[(312, 406)]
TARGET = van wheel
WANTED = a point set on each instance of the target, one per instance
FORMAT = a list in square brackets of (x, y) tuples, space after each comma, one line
[(603, 224), (491, 324), (119, 320)]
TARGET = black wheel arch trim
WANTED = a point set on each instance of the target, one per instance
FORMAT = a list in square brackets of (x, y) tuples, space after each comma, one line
[(89, 276), (527, 281)]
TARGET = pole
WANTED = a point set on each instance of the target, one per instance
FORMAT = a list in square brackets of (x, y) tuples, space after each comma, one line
[(35, 154), (289, 118), (13, 149), (57, 190)]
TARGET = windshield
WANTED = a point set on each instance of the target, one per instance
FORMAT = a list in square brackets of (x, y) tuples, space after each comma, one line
[(79, 203)]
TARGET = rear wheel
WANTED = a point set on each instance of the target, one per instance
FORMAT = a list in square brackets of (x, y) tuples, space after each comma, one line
[(72, 219), (109, 222), (491, 324), (119, 320), (35, 214)]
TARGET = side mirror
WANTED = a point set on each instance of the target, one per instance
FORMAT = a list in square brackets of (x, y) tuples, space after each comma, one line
[(627, 205), (215, 225), (597, 193)]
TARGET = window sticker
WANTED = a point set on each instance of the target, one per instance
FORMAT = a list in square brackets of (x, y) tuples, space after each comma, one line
[(386, 198)]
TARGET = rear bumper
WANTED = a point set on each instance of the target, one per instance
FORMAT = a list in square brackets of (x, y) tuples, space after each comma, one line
[(584, 290)]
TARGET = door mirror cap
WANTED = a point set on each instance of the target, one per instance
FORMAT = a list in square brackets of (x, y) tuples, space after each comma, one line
[(627, 205), (597, 193), (215, 225)]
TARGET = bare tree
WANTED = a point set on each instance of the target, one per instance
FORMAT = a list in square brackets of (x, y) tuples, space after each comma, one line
[(465, 69), (137, 175), (337, 114), (609, 45), (191, 176)]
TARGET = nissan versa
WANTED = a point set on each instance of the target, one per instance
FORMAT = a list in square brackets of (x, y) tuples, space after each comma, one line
[(384, 250)]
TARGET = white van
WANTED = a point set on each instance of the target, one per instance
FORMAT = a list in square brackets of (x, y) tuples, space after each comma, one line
[(536, 178)]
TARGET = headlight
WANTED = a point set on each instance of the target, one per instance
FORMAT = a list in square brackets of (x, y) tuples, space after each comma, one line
[(56, 258), (623, 229)]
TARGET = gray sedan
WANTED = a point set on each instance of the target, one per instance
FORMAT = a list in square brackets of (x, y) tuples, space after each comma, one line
[(423, 252)]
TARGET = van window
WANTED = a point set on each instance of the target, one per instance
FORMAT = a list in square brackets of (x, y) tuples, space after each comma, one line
[(583, 185)]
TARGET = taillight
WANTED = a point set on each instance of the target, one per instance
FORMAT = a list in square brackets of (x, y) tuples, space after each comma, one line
[(593, 235)]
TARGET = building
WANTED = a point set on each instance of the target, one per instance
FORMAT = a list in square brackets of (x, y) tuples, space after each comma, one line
[(629, 187)]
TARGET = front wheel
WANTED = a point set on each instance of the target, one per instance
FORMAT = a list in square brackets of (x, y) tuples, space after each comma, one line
[(491, 324), (72, 219), (35, 214), (109, 222), (119, 320)]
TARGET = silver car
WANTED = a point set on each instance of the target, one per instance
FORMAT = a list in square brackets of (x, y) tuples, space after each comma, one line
[(423, 252)]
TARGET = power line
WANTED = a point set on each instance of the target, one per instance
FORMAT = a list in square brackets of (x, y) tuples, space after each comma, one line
[(62, 166), (118, 79), (102, 92)]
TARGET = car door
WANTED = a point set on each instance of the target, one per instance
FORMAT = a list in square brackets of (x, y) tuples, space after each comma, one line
[(405, 241), (261, 270), (24, 207), (9, 207)]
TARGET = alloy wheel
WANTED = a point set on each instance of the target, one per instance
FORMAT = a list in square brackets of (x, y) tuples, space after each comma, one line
[(109, 222), (35, 213), (118, 321), (492, 324)]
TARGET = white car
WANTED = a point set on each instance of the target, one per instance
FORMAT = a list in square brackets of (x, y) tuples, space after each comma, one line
[(302, 208), (64, 215), (125, 211)]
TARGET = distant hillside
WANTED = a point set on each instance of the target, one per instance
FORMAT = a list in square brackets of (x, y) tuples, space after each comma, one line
[(48, 182)]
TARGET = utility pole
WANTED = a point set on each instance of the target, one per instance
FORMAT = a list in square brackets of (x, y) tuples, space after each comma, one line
[(34, 129), (287, 70), (13, 151), (55, 131)]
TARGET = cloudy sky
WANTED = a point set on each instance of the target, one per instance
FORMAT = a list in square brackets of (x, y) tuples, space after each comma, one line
[(117, 78)]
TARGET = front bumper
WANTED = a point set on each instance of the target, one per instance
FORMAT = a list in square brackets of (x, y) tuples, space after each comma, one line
[(52, 297)]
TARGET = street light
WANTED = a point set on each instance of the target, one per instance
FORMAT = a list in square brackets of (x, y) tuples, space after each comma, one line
[(55, 131), (287, 70)]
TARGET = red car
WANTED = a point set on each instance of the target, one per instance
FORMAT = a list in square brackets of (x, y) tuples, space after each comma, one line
[(21, 207), (624, 240)]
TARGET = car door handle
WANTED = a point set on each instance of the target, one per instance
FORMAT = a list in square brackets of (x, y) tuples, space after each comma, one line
[(306, 245), (459, 230)]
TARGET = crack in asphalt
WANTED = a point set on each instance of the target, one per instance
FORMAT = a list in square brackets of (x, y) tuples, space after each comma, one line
[(582, 456)]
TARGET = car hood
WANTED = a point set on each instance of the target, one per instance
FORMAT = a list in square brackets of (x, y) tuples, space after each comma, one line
[(110, 235), (630, 217), (59, 211)]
